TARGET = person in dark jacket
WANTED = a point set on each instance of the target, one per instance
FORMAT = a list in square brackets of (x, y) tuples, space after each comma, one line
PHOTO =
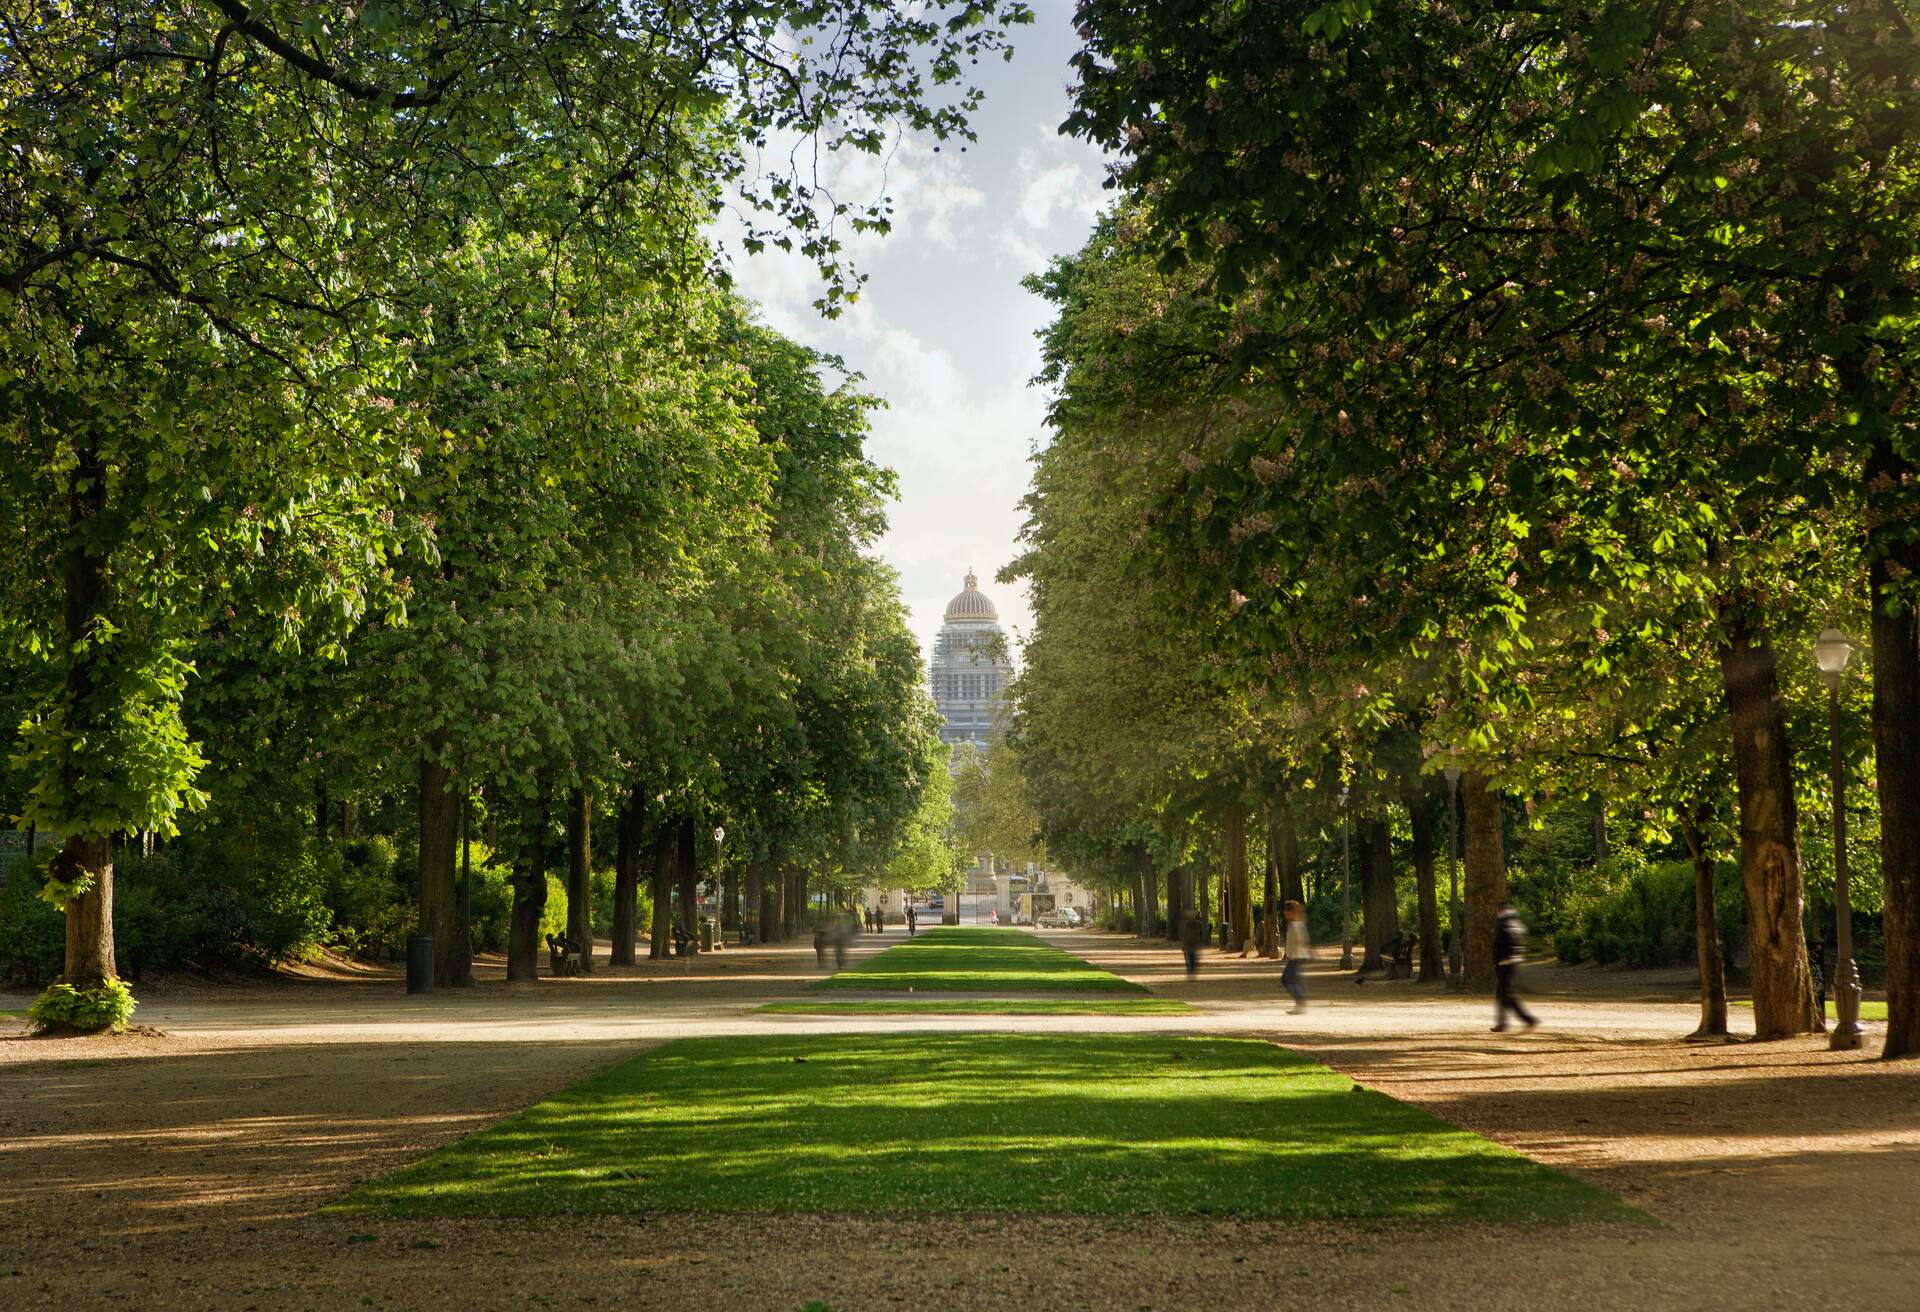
[(1509, 946), (1191, 932)]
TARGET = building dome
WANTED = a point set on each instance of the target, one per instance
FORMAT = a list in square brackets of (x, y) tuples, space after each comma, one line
[(971, 604)]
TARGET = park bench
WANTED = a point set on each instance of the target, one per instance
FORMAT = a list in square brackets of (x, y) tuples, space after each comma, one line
[(563, 955)]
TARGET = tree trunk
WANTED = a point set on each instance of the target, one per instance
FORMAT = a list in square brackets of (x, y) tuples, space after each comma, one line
[(529, 895), (1600, 831), (1782, 983), (1484, 878), (688, 868), (89, 960), (1202, 901), (439, 816), (660, 935), (1150, 895), (1706, 932), (1240, 895), (1270, 916), (1896, 743), (631, 838), (1378, 902), (1424, 804), (464, 932), (580, 874), (322, 809), (770, 878)]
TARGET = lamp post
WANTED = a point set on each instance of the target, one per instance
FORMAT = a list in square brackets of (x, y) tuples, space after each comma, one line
[(719, 888), (1346, 885), (1831, 651), (1453, 876)]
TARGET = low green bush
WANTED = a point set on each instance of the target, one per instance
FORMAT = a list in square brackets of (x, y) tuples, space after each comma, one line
[(1628, 911), (33, 933), (63, 1007)]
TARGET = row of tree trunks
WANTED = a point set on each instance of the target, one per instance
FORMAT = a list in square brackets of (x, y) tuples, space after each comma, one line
[(794, 903), (1149, 918), (1892, 562), (1781, 981), (580, 874), (755, 896), (688, 871), (660, 936), (1270, 899), (1485, 878), (1706, 928), (1378, 898), (529, 881), (1238, 895), (1424, 804), (629, 852), (439, 817)]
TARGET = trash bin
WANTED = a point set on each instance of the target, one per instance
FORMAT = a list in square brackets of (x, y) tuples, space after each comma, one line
[(707, 928), (420, 963)]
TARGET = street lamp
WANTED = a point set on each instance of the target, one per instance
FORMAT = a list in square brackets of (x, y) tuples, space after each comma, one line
[(1831, 651), (1453, 876), (1346, 885), (719, 887)]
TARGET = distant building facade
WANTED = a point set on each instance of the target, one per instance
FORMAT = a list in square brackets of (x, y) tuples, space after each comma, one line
[(970, 666)]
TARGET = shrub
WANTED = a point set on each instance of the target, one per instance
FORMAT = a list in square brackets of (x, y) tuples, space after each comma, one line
[(63, 1007), (216, 906), (1629, 911), (33, 933)]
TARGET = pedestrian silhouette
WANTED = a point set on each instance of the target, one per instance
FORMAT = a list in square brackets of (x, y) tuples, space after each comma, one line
[(1509, 948)]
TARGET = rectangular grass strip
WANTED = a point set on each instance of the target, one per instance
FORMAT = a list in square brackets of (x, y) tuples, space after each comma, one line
[(1869, 1009), (1106, 1125), (963, 1006), (963, 960)]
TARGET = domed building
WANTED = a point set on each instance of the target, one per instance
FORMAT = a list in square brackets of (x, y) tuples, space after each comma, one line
[(970, 665)]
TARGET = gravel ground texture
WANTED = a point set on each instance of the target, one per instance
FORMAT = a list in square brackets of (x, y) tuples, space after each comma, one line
[(182, 1166)]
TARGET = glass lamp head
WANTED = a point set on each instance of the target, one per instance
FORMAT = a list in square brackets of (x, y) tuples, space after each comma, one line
[(1831, 652), (719, 835)]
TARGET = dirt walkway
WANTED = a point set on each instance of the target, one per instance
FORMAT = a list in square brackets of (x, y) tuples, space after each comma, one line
[(184, 1170)]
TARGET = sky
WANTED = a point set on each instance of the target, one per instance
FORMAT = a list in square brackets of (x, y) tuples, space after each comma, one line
[(943, 330)]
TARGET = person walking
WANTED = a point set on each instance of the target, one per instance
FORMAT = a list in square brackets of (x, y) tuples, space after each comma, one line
[(1299, 950), (1509, 947), (1191, 932)]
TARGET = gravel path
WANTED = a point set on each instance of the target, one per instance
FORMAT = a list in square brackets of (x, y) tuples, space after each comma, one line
[(182, 1169)]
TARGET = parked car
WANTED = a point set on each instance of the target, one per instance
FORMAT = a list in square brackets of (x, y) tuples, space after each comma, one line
[(938, 902), (1073, 915), (1055, 919)]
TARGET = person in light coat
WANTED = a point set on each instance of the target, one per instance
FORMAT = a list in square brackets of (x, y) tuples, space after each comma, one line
[(1299, 951)]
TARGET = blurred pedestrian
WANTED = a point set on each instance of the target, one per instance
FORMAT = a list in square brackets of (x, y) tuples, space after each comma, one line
[(1299, 950), (1509, 949), (843, 931), (913, 921), (1191, 932)]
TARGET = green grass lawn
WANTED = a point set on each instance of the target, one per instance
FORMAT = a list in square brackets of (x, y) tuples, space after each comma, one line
[(1869, 1010), (979, 1007), (958, 960), (1108, 1125)]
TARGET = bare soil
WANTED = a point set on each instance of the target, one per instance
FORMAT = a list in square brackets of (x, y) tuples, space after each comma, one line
[(185, 1168)]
